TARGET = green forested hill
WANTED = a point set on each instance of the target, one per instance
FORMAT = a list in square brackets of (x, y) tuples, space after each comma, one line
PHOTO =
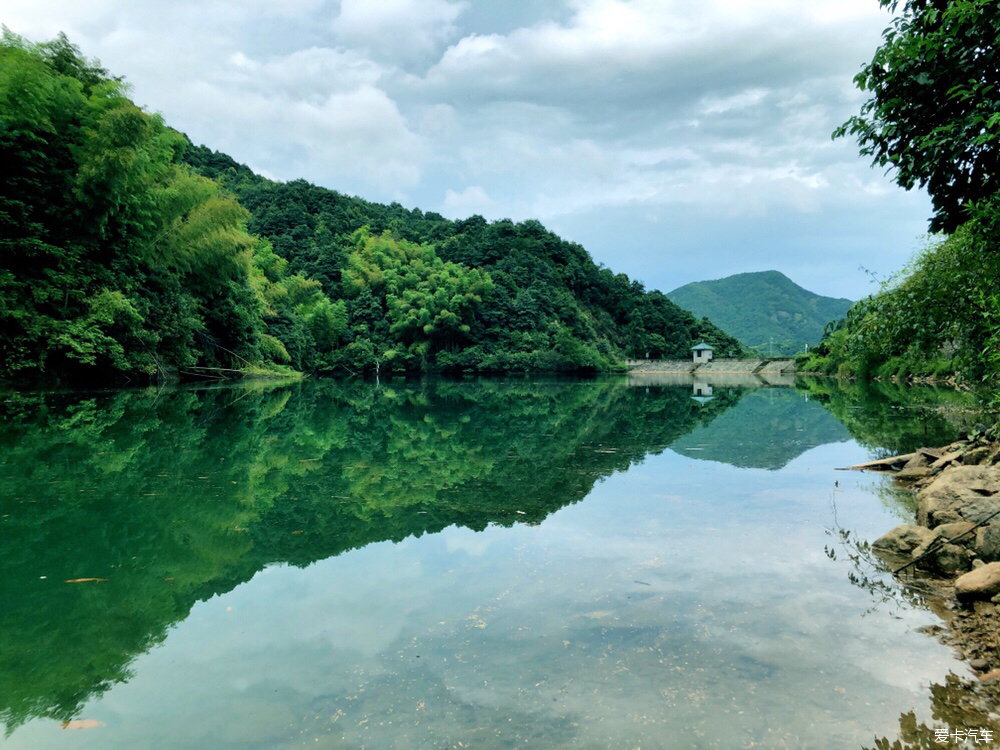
[(766, 310), (128, 254), (546, 303)]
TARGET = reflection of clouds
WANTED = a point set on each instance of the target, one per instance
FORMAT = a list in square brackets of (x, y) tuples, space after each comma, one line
[(743, 618), (472, 543)]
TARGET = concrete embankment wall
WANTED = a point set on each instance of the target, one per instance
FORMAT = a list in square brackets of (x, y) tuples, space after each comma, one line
[(660, 365), (744, 366)]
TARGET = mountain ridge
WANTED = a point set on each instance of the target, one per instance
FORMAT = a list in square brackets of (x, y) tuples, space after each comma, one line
[(765, 310)]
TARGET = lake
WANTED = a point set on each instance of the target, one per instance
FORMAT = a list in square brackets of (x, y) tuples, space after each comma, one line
[(609, 563)]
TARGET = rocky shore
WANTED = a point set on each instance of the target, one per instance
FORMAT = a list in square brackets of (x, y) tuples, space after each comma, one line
[(952, 551)]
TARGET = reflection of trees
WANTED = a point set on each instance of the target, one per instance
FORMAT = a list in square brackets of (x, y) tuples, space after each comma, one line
[(174, 496), (956, 705), (892, 418)]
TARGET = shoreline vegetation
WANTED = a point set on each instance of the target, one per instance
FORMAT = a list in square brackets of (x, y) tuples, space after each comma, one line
[(932, 119), (129, 254)]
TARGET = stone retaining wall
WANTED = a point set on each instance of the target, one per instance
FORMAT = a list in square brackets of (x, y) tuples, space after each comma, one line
[(743, 366)]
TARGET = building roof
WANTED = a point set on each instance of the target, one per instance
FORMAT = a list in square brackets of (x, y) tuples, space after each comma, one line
[(702, 346)]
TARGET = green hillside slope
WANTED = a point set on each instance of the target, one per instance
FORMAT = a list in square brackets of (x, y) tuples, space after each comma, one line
[(128, 255), (765, 310), (549, 306)]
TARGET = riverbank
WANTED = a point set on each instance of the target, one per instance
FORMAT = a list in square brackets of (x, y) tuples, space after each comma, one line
[(950, 554)]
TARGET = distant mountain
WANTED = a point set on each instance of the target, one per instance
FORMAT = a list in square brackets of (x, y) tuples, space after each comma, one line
[(765, 310)]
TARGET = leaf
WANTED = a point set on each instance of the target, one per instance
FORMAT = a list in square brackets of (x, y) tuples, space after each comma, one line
[(82, 724)]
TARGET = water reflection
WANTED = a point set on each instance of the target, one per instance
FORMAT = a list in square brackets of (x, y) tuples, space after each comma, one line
[(892, 418), (121, 512), (169, 498), (962, 718)]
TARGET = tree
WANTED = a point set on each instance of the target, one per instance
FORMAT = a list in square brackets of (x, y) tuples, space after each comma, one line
[(934, 111), (429, 303)]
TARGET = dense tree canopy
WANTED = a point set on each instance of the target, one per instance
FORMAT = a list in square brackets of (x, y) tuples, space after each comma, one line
[(114, 256), (125, 251), (934, 111), (546, 304)]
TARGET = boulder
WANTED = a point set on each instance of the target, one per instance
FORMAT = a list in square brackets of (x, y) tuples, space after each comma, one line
[(919, 460), (954, 531), (946, 460), (913, 472), (981, 583), (902, 540), (891, 463), (951, 559), (940, 554), (962, 493), (976, 456), (987, 544)]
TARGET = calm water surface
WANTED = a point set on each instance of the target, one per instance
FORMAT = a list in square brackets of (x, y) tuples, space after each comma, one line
[(435, 564)]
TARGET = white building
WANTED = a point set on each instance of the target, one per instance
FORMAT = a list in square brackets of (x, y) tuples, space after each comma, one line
[(702, 353)]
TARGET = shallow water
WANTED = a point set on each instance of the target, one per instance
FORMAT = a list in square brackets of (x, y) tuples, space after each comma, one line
[(485, 564)]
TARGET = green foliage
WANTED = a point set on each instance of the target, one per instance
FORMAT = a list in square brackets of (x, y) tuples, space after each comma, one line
[(766, 311), (939, 318), (119, 260), (893, 418), (535, 289), (934, 111), (427, 300)]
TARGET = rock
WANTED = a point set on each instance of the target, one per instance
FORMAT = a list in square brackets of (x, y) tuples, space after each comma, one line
[(962, 493), (977, 563), (977, 455), (980, 665), (990, 676), (954, 531), (982, 583), (946, 460), (947, 533), (987, 543), (919, 461), (951, 559), (902, 540), (986, 608), (884, 464), (913, 472)]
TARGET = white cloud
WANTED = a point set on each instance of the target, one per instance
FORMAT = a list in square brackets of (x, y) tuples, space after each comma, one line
[(471, 200), (397, 30), (686, 124), (713, 105)]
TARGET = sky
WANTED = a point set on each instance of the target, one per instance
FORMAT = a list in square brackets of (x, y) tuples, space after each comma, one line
[(677, 141)]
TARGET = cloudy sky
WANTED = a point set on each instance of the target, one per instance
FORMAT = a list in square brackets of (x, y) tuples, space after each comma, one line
[(676, 140)]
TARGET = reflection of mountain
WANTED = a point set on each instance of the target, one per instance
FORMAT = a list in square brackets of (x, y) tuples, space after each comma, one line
[(765, 430), (168, 498)]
